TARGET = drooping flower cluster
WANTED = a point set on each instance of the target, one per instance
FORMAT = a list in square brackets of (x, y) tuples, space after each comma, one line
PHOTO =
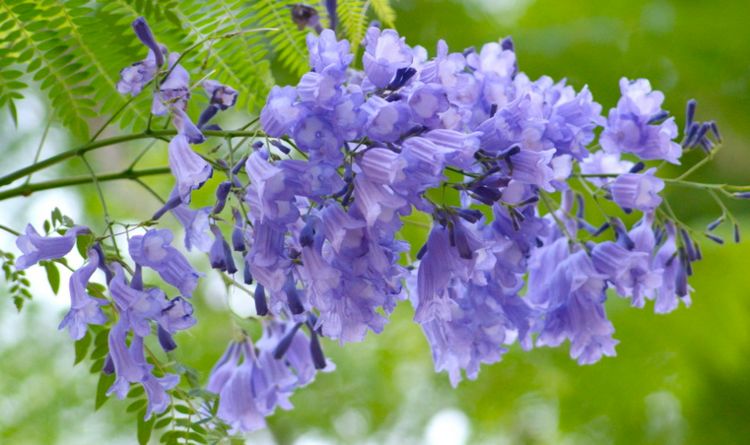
[(315, 209)]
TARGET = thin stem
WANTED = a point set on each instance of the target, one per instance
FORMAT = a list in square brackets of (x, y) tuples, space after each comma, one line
[(698, 164), (9, 230), (28, 189), (150, 190), (41, 145), (83, 149), (102, 200), (141, 154), (112, 118)]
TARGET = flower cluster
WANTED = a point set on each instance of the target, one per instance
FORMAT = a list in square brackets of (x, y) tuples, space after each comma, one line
[(310, 216)]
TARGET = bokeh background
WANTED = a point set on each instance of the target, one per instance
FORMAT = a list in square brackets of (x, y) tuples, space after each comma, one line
[(682, 378)]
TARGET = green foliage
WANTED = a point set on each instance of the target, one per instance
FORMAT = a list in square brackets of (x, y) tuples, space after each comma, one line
[(384, 12), (16, 279), (353, 19)]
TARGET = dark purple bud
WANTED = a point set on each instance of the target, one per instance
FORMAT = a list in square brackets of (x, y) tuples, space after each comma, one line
[(681, 283), (261, 306), (513, 150), (144, 34), (316, 351), (688, 243), (493, 110), (173, 202), (698, 253), (690, 112), (507, 44), (402, 76), (583, 224), (394, 97), (581, 205), (222, 191), (742, 195), (108, 274), (137, 281), (637, 167), (333, 18), (462, 242), (715, 130), (292, 295), (109, 365), (714, 238), (471, 215), (736, 233), (690, 135), (247, 275), (527, 201), (207, 115), (285, 342), (307, 234), (422, 251), (712, 226), (601, 229), (238, 239), (702, 131), (658, 117), (240, 164), (165, 340), (303, 15), (284, 149), (622, 233), (257, 145), (486, 195), (220, 255), (211, 127)]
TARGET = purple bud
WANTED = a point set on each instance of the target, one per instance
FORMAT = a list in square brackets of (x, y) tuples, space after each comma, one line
[(285, 342), (637, 167), (715, 130), (471, 215), (222, 191), (742, 195), (261, 306), (736, 233), (690, 113), (712, 226), (109, 365), (207, 115), (292, 295), (165, 340), (316, 351), (714, 238), (144, 34)]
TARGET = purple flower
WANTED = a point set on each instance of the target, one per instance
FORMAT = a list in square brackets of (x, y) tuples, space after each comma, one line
[(154, 250), (571, 292), (320, 89), (630, 271), (603, 163), (196, 226), (220, 255), (188, 167), (637, 190), (634, 127), (174, 91), (177, 315), (271, 190), (315, 134), (386, 121), (385, 54), (327, 53), (143, 32), (134, 77), (37, 248), (281, 112), (139, 306), (426, 103), (84, 309), (222, 96)]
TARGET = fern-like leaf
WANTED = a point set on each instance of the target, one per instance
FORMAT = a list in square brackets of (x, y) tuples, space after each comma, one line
[(384, 12), (353, 19), (288, 42)]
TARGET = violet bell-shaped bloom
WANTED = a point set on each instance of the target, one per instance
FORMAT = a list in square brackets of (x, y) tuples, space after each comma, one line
[(84, 309), (221, 95), (37, 248), (189, 169), (153, 250), (385, 53), (134, 77), (638, 124), (174, 91), (637, 190), (327, 53)]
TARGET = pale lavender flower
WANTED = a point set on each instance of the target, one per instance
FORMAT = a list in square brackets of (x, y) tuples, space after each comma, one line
[(37, 248), (326, 52), (153, 250), (190, 170), (84, 309), (221, 95), (281, 112), (385, 54), (638, 125), (637, 190)]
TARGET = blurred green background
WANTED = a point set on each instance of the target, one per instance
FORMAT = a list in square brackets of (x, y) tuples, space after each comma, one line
[(682, 378)]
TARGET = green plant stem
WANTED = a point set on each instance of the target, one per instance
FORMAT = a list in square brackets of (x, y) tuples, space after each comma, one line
[(94, 145), (28, 189)]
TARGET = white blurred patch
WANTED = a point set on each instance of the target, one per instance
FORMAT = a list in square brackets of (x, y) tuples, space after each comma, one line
[(448, 427)]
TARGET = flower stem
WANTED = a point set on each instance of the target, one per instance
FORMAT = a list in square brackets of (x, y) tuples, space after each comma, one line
[(93, 145), (28, 189)]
